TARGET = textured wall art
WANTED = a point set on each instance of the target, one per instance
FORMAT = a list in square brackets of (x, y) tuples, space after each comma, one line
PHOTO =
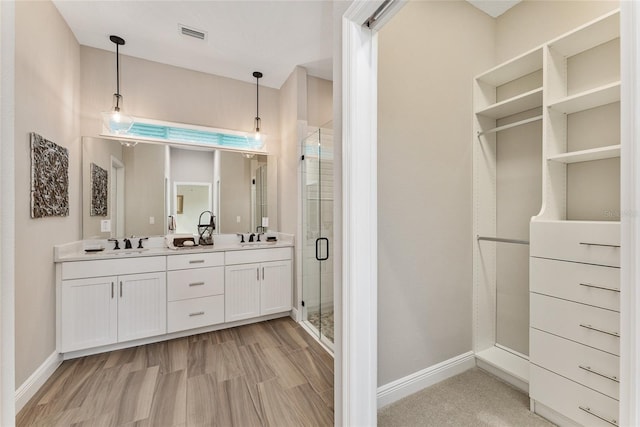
[(99, 180), (49, 178)]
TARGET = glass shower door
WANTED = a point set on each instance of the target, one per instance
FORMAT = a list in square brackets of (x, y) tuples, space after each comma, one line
[(317, 233)]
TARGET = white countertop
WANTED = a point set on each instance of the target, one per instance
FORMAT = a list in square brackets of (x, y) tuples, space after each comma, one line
[(157, 246)]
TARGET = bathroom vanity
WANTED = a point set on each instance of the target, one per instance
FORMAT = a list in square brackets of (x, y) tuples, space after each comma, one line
[(113, 299)]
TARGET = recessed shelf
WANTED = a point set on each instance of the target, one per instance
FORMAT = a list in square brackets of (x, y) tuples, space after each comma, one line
[(597, 97), (510, 125), (591, 34), (520, 66), (517, 104), (600, 153)]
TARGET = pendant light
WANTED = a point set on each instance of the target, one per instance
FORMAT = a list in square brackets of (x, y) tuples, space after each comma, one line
[(115, 120), (258, 76)]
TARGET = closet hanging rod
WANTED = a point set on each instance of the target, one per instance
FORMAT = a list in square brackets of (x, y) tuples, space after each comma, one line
[(510, 125), (503, 240)]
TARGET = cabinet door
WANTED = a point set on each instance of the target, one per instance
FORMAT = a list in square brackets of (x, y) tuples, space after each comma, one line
[(242, 292), (275, 291), (142, 306), (89, 313)]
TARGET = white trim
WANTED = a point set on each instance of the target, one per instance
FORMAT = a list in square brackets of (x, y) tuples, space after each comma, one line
[(36, 380), (424, 378), (7, 214), (294, 315), (630, 209), (552, 415), (357, 349)]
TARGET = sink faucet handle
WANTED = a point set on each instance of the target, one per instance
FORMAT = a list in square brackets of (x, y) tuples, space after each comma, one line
[(259, 234), (116, 243), (140, 242), (241, 237)]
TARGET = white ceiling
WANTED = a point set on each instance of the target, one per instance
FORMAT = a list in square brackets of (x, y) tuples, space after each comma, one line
[(243, 36), (271, 36)]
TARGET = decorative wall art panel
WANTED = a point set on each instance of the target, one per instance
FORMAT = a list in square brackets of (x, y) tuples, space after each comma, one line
[(99, 181), (49, 178)]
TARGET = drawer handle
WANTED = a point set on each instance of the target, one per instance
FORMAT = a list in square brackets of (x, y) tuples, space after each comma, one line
[(599, 244), (199, 313), (609, 377), (590, 285), (196, 284), (590, 412), (615, 334), (196, 261)]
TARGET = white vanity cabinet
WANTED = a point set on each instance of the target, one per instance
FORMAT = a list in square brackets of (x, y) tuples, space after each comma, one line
[(195, 291), (97, 309), (257, 283)]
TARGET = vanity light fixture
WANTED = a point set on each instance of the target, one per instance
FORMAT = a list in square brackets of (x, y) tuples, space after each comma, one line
[(115, 120), (258, 76)]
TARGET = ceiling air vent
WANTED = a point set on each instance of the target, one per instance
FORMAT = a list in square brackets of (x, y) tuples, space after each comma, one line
[(192, 32)]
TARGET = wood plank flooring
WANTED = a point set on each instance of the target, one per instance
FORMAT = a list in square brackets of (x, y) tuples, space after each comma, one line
[(266, 374)]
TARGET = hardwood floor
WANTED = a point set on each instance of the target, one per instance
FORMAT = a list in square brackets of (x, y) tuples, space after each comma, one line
[(266, 374)]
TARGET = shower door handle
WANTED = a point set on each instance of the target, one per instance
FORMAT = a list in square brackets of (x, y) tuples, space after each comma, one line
[(318, 240)]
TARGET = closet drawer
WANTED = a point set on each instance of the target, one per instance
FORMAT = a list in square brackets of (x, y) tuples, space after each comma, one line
[(568, 397), (195, 260), (580, 241), (195, 313), (592, 326), (195, 283), (590, 367), (586, 283)]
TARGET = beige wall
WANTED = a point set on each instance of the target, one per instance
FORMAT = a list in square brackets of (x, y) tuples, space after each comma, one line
[(47, 96), (426, 66), (319, 101), (533, 22)]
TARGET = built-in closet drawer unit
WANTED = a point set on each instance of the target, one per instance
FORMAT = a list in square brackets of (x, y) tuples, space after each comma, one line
[(577, 241), (585, 283), (592, 326), (195, 290), (590, 367), (582, 404)]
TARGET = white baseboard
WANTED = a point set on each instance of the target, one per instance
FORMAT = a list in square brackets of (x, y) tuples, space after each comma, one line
[(294, 314), (29, 388), (417, 381)]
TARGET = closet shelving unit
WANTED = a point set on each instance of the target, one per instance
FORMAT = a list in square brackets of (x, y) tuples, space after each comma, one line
[(575, 239), (506, 97), (570, 87)]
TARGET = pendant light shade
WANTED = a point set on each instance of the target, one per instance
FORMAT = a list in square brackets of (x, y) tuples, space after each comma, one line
[(115, 120), (256, 123)]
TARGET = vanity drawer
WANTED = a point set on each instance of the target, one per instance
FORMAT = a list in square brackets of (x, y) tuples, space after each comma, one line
[(249, 256), (197, 260), (568, 397), (112, 267), (579, 241), (195, 283), (195, 313), (592, 326), (586, 283), (590, 367)]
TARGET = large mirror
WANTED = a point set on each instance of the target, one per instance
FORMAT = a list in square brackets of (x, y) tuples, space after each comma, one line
[(147, 189)]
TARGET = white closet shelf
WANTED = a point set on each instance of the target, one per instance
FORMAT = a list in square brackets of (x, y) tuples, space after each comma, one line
[(589, 35), (517, 104), (519, 66), (586, 100), (599, 153), (510, 125)]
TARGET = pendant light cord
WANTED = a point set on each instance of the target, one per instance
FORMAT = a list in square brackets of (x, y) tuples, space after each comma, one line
[(117, 76), (257, 98)]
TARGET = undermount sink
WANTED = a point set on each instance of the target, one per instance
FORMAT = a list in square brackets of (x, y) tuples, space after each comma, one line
[(125, 251), (250, 244)]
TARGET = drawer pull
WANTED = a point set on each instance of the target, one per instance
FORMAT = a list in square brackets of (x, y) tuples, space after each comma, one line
[(599, 244), (199, 313), (196, 284), (590, 412), (609, 377), (196, 261), (615, 334), (590, 285)]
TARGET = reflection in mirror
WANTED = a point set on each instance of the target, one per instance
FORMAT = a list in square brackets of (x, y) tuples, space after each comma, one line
[(135, 189), (142, 189), (194, 198)]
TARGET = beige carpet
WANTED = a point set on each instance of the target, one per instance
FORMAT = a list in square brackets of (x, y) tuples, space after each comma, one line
[(473, 398)]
